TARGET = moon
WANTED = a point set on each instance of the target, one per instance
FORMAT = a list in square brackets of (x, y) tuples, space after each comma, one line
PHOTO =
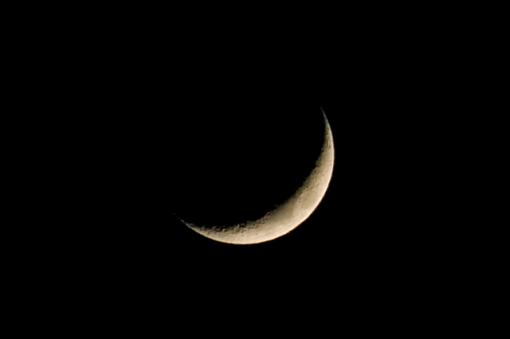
[(288, 215)]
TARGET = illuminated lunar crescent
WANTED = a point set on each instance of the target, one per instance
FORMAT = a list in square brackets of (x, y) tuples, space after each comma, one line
[(286, 216)]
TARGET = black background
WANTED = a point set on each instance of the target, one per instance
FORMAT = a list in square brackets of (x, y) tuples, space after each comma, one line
[(149, 137), (132, 115)]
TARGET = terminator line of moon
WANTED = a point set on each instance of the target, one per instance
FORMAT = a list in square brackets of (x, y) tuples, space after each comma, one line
[(288, 215)]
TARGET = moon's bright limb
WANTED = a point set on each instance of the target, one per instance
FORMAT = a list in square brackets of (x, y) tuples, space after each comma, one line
[(288, 215)]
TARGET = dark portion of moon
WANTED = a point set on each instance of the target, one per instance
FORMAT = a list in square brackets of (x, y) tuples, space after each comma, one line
[(244, 159)]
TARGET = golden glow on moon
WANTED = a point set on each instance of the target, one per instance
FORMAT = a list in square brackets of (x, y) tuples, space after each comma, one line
[(288, 215)]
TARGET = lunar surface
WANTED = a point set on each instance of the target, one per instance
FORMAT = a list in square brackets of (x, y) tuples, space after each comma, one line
[(288, 215)]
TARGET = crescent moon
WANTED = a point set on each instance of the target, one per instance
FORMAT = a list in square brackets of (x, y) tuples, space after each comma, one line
[(288, 215)]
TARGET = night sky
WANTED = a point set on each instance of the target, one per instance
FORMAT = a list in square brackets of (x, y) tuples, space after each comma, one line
[(217, 127), (227, 139)]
